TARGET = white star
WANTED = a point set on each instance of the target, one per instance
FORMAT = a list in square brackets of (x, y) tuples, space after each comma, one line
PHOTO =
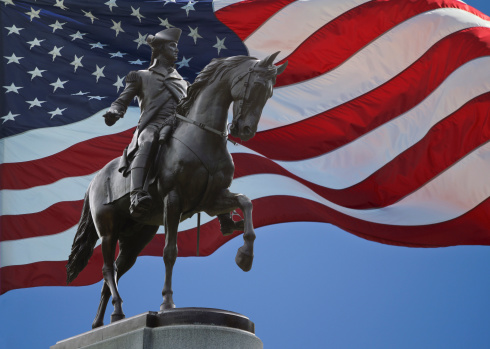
[(99, 98), (97, 45), (12, 88), (58, 111), (111, 4), (193, 34), (164, 23), (9, 117), (77, 35), (13, 59), (80, 93), (138, 62), (59, 3), (77, 62), (119, 83), (167, 1), (99, 72), (35, 42), (33, 14), (57, 25), (141, 40), (184, 62), (35, 103), (8, 2), (36, 72), (117, 27), (220, 45), (189, 7), (136, 13), (89, 15), (117, 54), (55, 52), (58, 84), (13, 29)]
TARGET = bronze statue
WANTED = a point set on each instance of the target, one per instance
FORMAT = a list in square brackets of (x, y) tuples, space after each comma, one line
[(194, 177)]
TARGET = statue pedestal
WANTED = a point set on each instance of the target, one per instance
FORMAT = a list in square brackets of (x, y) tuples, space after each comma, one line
[(177, 329)]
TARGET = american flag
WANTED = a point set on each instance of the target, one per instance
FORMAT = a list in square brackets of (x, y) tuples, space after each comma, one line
[(378, 125)]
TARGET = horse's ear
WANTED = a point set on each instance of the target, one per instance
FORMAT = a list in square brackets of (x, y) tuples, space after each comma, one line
[(281, 68), (269, 60)]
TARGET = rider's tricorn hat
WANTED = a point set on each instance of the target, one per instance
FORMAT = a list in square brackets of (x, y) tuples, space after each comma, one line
[(171, 34)]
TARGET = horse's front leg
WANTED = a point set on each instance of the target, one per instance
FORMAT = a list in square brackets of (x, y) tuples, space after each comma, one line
[(172, 213), (226, 202)]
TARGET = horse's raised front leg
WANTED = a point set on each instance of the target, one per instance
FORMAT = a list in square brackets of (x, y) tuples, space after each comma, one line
[(172, 213), (227, 202)]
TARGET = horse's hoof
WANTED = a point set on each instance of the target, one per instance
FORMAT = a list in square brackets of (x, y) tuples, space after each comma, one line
[(244, 260), (97, 324), (117, 317), (167, 306)]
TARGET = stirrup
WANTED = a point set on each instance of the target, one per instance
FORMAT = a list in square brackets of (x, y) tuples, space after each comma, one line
[(140, 203)]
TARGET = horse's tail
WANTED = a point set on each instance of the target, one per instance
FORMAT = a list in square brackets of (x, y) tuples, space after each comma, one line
[(83, 243)]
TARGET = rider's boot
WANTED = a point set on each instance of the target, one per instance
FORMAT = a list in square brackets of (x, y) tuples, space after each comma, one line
[(141, 200)]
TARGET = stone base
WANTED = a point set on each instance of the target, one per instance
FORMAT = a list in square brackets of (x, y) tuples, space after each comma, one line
[(177, 328)]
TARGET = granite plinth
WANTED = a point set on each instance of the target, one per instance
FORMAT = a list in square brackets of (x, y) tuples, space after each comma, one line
[(175, 328)]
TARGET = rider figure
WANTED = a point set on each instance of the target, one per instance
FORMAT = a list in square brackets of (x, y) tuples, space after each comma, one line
[(158, 89)]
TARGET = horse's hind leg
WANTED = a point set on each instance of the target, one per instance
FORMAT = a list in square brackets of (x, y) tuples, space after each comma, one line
[(172, 218), (129, 249)]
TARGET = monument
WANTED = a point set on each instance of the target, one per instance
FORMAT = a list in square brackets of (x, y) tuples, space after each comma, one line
[(176, 165)]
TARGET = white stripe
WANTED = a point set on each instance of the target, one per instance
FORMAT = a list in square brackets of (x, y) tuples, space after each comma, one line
[(293, 24), (448, 196), (43, 142), (219, 4), (371, 67)]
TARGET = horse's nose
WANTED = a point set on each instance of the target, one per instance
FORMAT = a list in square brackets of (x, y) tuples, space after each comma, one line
[(247, 131)]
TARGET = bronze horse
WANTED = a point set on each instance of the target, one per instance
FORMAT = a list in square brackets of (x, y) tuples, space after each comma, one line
[(195, 177)]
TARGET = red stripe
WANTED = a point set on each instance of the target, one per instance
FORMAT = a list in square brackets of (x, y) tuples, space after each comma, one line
[(469, 229), (467, 129), (334, 128), (338, 40), (247, 16), (78, 160)]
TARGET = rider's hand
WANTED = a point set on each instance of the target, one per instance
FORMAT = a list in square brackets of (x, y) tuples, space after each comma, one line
[(111, 116)]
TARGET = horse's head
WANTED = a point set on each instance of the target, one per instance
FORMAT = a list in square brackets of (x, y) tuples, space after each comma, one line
[(250, 91)]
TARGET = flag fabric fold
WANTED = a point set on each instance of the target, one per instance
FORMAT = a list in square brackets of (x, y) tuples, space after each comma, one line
[(379, 125)]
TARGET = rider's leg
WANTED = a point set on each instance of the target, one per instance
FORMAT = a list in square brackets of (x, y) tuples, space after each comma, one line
[(164, 134)]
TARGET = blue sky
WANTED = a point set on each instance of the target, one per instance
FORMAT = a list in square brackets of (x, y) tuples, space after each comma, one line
[(312, 286)]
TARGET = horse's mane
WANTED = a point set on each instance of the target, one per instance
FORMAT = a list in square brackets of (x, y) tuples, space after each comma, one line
[(216, 69)]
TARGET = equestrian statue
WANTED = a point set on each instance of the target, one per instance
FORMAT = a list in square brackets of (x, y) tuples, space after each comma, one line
[(176, 165)]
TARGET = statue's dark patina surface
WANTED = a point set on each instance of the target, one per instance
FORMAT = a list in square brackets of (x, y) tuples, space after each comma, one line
[(193, 173)]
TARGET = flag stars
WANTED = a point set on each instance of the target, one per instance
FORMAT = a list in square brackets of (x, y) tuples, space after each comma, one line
[(119, 83), (57, 26), (89, 15), (35, 103), (56, 112), (12, 88), (117, 27), (33, 14), (136, 13), (55, 52), (77, 35), (97, 45), (220, 45), (184, 62), (141, 40), (189, 7), (99, 73), (137, 62), (13, 30), (13, 59), (8, 2), (99, 98), (60, 4), (34, 42), (194, 34), (117, 54), (9, 117), (58, 84), (36, 72), (165, 23), (77, 62), (111, 4)]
